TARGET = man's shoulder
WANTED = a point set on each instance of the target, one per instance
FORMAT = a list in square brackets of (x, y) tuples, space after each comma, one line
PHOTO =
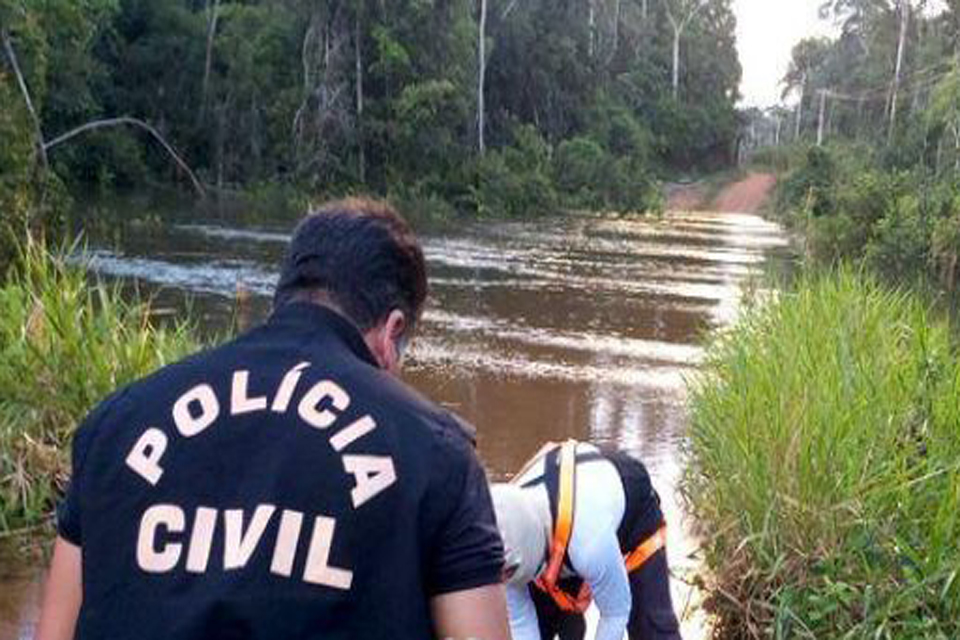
[(201, 364), (405, 402), (132, 395)]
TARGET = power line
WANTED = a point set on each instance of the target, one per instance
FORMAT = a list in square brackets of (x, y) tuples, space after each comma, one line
[(882, 91)]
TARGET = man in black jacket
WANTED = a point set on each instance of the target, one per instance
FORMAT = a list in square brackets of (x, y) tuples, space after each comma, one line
[(286, 484)]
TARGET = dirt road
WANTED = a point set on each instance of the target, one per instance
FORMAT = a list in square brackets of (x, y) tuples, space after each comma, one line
[(744, 196)]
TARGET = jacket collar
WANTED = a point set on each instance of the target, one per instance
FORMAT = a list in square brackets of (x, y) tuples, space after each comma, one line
[(315, 318)]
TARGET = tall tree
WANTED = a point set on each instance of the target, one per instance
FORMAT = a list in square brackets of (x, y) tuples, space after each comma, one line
[(481, 72), (903, 11), (679, 14)]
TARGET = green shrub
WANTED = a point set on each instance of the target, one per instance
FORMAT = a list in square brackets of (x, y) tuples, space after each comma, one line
[(824, 466), (590, 177), (871, 195), (428, 117), (530, 150), (514, 180), (901, 240), (945, 248), (422, 206), (835, 238), (104, 160), (629, 186), (64, 345), (811, 187), (617, 129), (580, 165), (777, 159), (507, 186), (16, 163), (851, 207)]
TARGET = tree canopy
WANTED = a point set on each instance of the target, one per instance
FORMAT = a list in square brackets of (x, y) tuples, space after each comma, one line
[(329, 96)]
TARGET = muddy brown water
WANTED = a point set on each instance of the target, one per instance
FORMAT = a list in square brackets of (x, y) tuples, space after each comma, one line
[(582, 326)]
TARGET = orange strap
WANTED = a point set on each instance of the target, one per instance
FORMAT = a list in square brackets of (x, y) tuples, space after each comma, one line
[(568, 602), (562, 531), (645, 550), (563, 528), (634, 561)]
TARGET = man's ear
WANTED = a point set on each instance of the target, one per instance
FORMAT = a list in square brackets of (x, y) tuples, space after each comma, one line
[(384, 341)]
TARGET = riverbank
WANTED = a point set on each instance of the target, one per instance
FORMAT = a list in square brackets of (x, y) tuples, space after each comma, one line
[(824, 444), (824, 435), (64, 345)]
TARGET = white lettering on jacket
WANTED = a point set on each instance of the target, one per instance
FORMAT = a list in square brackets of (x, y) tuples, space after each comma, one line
[(171, 538), (190, 424), (145, 456), (153, 554), (372, 475), (240, 400), (327, 394), (160, 550), (320, 407)]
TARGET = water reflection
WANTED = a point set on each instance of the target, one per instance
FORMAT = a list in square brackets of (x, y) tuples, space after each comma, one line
[(582, 327)]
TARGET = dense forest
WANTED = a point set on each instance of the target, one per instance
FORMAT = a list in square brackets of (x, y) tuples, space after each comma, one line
[(501, 106), (875, 171)]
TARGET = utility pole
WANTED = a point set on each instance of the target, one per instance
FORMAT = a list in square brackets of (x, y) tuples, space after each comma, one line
[(823, 108)]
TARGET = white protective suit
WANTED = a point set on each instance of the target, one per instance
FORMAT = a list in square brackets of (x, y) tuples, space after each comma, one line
[(523, 516)]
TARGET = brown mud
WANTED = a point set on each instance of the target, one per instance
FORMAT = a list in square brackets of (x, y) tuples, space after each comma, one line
[(746, 195)]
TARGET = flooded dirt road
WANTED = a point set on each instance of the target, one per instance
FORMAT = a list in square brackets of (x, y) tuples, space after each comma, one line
[(577, 326)]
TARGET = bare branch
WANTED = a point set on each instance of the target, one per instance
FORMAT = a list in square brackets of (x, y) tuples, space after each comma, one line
[(126, 120), (697, 8), (673, 21), (12, 57)]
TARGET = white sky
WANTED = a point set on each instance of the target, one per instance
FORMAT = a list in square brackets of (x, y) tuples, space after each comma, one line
[(766, 32)]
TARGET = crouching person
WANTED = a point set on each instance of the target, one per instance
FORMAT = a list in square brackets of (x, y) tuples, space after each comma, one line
[(580, 526)]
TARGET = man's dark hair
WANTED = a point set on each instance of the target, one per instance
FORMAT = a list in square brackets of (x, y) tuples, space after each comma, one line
[(362, 256)]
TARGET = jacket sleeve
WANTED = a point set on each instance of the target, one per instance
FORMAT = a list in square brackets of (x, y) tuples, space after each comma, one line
[(466, 551), (68, 510)]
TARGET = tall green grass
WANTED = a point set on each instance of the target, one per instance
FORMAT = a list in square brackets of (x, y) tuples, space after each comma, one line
[(825, 466), (65, 343)]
